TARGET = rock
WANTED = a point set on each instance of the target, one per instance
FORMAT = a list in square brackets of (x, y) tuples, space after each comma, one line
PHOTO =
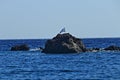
[(41, 48), (112, 47), (23, 47), (93, 50), (64, 43)]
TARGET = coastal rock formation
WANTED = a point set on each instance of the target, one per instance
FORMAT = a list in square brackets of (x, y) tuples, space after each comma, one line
[(64, 43), (22, 47), (112, 47)]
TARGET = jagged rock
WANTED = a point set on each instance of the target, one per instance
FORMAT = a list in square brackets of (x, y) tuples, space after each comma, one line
[(23, 47), (112, 47), (64, 43)]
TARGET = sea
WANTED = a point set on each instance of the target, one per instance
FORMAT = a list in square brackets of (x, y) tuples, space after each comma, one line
[(34, 65)]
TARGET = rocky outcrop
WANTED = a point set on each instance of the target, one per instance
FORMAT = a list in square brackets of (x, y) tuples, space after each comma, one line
[(112, 47), (64, 43), (109, 48), (23, 47)]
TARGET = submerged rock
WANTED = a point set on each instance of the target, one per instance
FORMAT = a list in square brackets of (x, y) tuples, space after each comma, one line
[(64, 43), (93, 49), (112, 47), (22, 47)]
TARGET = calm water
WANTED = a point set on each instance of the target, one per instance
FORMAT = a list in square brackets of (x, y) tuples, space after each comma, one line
[(30, 65)]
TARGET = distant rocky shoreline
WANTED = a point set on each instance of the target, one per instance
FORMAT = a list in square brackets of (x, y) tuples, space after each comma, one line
[(64, 43)]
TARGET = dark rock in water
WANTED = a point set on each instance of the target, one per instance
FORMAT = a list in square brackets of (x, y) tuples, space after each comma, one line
[(93, 49), (112, 48), (41, 48), (96, 48), (64, 43), (23, 47)]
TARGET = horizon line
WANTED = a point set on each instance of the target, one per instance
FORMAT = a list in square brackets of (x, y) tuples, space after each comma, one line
[(52, 37)]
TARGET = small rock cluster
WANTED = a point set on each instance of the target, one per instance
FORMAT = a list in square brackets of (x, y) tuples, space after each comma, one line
[(64, 43)]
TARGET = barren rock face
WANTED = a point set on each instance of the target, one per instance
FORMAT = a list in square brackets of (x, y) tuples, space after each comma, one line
[(64, 43)]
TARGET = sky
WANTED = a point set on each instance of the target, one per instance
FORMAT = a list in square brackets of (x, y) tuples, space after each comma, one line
[(35, 19)]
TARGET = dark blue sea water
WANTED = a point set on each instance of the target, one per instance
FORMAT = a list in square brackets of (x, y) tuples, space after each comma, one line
[(34, 65)]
